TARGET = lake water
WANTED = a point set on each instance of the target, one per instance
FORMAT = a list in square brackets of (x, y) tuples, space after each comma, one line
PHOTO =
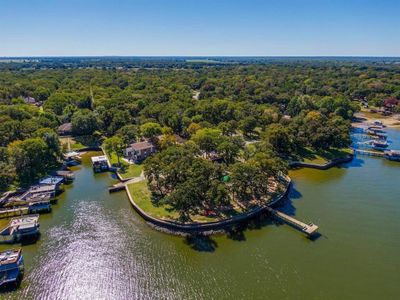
[(94, 246)]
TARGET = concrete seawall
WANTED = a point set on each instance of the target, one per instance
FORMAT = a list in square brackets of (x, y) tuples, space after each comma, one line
[(330, 164), (204, 228)]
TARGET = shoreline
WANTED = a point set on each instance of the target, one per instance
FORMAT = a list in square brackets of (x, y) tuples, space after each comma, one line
[(329, 164), (206, 228), (367, 117)]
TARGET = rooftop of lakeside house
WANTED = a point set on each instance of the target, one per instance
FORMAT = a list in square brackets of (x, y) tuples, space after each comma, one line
[(142, 145)]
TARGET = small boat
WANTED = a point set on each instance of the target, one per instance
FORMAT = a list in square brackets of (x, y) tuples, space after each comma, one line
[(377, 123), (376, 129), (11, 267), (72, 158), (373, 133), (20, 228), (393, 155), (379, 145)]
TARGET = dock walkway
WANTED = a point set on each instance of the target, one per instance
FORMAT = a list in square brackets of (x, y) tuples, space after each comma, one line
[(309, 229), (369, 152), (121, 185)]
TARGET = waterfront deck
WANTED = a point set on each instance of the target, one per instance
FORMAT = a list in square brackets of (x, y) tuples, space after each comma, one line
[(20, 228), (309, 229), (117, 187), (12, 212)]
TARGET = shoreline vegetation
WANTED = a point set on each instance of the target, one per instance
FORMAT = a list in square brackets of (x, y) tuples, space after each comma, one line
[(164, 219)]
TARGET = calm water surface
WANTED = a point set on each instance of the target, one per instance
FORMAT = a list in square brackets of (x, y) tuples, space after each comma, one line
[(94, 246)]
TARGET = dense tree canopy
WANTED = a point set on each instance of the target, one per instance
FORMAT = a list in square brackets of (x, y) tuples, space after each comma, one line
[(287, 105)]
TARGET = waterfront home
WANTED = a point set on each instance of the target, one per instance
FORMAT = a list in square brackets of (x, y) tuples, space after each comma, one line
[(139, 151), (11, 267), (99, 163), (20, 228), (390, 103), (65, 129)]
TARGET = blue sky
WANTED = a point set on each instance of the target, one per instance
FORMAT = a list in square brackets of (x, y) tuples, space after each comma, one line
[(208, 27)]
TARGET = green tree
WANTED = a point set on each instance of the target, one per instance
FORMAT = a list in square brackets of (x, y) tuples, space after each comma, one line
[(7, 170), (115, 145), (150, 130), (184, 182), (30, 158), (247, 125), (207, 139), (229, 149), (84, 122), (280, 139)]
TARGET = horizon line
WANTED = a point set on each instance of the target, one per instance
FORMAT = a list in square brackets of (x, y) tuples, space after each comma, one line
[(255, 56)]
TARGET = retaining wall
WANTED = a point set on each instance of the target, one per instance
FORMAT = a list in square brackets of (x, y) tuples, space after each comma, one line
[(177, 227), (330, 164)]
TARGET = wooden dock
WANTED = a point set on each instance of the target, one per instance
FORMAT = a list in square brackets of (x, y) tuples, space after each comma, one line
[(369, 152), (309, 229), (12, 212), (117, 187)]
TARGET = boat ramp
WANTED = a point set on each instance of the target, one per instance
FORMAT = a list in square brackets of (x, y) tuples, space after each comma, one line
[(310, 229)]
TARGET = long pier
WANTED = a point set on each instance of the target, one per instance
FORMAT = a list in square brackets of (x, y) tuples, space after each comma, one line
[(309, 229), (369, 152)]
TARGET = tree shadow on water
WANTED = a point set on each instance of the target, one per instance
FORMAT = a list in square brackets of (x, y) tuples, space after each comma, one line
[(236, 233), (201, 243), (286, 205)]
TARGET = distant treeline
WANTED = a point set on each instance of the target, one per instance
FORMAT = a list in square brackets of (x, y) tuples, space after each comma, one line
[(126, 62)]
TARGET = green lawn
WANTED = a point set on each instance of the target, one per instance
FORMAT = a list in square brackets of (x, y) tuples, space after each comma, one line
[(126, 170), (321, 157), (142, 197), (69, 143), (78, 142)]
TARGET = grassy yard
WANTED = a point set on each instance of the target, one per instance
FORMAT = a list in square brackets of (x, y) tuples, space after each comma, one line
[(69, 143), (77, 143), (142, 197), (322, 157), (126, 170)]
